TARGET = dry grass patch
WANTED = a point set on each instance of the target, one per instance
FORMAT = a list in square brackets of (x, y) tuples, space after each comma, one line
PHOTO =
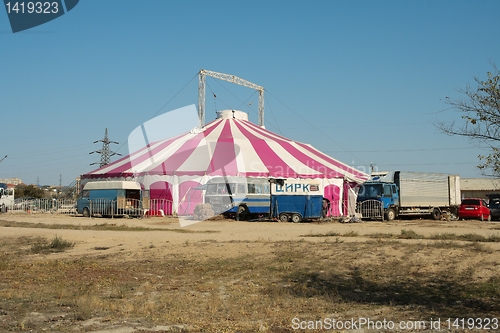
[(264, 289), (98, 227), (411, 234)]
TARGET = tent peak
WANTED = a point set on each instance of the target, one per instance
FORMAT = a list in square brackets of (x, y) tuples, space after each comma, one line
[(232, 114)]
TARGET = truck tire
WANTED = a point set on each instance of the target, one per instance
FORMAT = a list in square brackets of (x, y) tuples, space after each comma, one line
[(283, 217), (86, 212), (241, 215), (390, 215), (436, 214), (296, 218)]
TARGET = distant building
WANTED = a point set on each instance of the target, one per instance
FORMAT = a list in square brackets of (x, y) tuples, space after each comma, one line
[(13, 181), (479, 187)]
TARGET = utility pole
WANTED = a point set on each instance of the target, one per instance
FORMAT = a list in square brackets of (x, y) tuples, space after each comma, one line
[(105, 152)]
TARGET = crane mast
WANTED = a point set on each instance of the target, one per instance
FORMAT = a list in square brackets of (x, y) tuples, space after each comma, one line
[(229, 78)]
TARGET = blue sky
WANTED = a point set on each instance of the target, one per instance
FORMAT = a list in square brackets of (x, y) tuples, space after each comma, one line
[(363, 81)]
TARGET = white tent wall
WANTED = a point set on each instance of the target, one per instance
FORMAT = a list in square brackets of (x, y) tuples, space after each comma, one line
[(174, 191), (352, 196), (172, 195)]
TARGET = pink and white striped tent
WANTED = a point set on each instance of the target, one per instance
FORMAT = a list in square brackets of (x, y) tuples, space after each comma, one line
[(231, 146)]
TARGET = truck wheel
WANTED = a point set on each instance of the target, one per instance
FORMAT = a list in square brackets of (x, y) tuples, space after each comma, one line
[(436, 214), (296, 218), (390, 215), (86, 212), (283, 217), (241, 215)]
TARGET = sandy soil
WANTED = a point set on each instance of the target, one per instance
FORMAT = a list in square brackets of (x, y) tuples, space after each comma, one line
[(222, 231)]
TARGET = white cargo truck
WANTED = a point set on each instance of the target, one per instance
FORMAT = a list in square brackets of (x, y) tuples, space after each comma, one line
[(390, 194)]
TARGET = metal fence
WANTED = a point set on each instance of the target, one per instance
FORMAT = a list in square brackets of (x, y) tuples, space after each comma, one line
[(29, 205), (103, 207), (110, 208), (370, 209), (160, 207)]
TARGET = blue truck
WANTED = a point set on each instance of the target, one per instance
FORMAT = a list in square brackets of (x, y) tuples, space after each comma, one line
[(111, 198), (387, 195)]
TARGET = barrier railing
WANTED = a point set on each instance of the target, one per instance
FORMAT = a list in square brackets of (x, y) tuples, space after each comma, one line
[(27, 205), (130, 207), (370, 209), (104, 207), (109, 208), (160, 207)]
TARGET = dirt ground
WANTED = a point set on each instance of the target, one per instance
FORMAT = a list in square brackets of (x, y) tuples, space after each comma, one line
[(221, 230), (227, 240)]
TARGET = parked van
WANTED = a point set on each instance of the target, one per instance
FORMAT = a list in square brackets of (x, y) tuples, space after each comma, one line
[(109, 198)]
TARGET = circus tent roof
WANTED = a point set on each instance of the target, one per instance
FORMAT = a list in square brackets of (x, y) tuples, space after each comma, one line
[(229, 146)]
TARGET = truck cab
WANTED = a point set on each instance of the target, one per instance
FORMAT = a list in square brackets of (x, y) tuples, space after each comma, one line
[(6, 197), (387, 196)]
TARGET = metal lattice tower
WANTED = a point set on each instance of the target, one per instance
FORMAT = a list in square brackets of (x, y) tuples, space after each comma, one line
[(105, 152), (230, 78)]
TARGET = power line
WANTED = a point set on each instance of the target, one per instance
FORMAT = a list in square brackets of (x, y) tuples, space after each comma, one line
[(167, 103), (403, 150), (317, 129)]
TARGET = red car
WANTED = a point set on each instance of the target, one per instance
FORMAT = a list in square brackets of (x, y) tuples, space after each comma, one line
[(472, 208)]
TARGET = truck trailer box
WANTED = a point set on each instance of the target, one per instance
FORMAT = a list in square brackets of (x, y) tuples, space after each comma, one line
[(419, 189), (296, 207)]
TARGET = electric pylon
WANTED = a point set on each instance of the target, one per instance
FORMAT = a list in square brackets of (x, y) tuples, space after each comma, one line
[(105, 152)]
